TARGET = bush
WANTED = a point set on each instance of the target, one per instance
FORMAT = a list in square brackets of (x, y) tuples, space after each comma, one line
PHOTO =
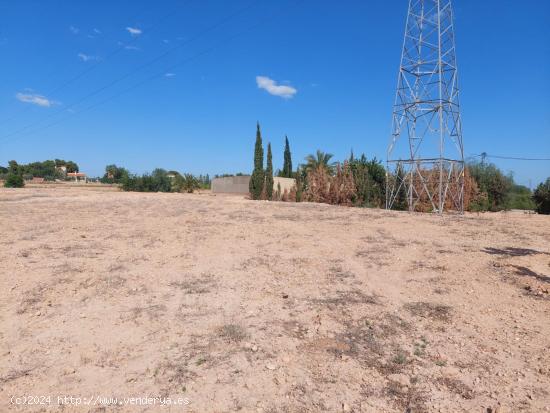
[(541, 197), (520, 197), (370, 181), (324, 188), (14, 181), (186, 183), (114, 175), (161, 181), (491, 181)]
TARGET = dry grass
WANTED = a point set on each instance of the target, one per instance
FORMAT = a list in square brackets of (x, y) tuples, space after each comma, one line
[(232, 333), (432, 311), (457, 387)]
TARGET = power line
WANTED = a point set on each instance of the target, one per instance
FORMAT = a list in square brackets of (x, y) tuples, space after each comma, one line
[(160, 74), (132, 72), (90, 68), (486, 155), (518, 159)]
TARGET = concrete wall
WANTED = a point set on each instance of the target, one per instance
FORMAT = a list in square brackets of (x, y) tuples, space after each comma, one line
[(231, 185), (239, 184), (286, 183)]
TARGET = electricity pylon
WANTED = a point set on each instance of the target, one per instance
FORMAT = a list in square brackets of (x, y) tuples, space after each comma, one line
[(425, 158)]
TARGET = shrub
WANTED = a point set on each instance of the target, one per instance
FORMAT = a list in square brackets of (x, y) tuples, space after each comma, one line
[(318, 185), (494, 183), (186, 183), (342, 189), (520, 197), (14, 181), (370, 181), (114, 175), (541, 197)]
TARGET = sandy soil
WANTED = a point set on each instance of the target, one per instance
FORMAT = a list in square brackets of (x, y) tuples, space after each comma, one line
[(235, 305)]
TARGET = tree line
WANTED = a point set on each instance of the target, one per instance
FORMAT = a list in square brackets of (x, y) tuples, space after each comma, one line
[(159, 180), (15, 174), (361, 182)]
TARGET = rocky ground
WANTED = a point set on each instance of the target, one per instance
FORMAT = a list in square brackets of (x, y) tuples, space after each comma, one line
[(235, 305)]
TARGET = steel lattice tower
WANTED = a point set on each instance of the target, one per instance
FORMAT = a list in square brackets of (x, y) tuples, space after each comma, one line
[(425, 159)]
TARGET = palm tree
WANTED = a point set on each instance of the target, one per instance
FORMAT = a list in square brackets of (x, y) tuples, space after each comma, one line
[(320, 160)]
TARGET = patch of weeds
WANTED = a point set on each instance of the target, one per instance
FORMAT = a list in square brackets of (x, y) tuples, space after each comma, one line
[(174, 372), (16, 374), (407, 398), (440, 363), (420, 347), (373, 342), (345, 298), (339, 273), (153, 312), (400, 358), (32, 299), (437, 312), (458, 387), (418, 265), (232, 333), (201, 360), (201, 285)]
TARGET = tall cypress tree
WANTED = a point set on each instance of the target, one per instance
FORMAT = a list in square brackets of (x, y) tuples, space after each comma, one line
[(269, 174), (257, 179), (287, 165), (400, 202)]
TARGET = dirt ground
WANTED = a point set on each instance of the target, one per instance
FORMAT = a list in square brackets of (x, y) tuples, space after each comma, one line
[(225, 304)]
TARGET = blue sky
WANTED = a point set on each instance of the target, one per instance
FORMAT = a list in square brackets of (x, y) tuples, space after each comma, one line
[(331, 68)]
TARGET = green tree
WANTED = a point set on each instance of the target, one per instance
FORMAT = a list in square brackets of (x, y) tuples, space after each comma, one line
[(14, 181), (115, 174), (520, 197), (71, 166), (319, 160), (491, 181), (257, 180), (269, 174), (187, 183), (287, 165), (541, 197), (13, 167), (400, 202), (160, 181)]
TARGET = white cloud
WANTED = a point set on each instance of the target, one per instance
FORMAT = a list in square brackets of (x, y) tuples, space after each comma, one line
[(35, 99), (274, 89), (169, 74), (74, 30), (134, 31), (87, 58), (97, 31)]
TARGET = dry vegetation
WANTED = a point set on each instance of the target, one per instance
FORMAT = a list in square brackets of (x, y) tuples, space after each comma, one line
[(271, 307)]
